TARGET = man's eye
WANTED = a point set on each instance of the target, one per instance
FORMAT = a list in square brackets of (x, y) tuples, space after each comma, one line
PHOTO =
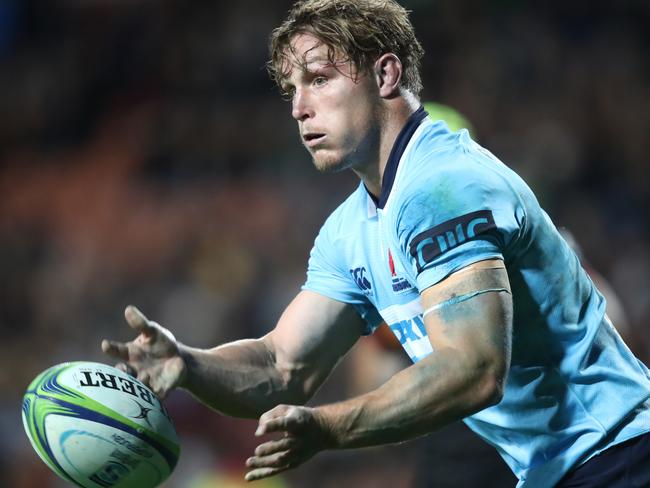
[(320, 80)]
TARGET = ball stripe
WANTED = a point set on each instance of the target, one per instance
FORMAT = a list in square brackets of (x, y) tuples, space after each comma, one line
[(51, 385), (36, 424), (73, 410)]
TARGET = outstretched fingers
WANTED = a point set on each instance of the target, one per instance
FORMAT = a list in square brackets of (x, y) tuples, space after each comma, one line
[(138, 321)]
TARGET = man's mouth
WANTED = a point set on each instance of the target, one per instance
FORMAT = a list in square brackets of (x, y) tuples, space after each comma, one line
[(313, 138)]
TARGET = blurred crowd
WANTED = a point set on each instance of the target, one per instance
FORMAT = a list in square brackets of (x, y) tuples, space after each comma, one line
[(146, 158)]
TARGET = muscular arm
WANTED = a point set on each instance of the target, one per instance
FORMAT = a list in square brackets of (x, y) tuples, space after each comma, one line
[(468, 320), (465, 373), (245, 378)]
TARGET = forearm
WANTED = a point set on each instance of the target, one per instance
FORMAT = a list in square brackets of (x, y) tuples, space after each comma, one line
[(238, 379), (440, 389), (247, 378)]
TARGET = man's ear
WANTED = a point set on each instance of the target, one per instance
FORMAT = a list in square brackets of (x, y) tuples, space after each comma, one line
[(388, 73)]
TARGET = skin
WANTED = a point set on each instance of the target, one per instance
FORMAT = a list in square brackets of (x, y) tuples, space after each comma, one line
[(355, 118), (358, 114)]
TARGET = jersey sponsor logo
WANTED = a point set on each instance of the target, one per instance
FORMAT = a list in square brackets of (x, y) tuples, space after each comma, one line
[(406, 322), (359, 277), (431, 243), (398, 283), (409, 330)]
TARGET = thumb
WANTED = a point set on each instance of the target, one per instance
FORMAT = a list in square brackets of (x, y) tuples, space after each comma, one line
[(138, 321)]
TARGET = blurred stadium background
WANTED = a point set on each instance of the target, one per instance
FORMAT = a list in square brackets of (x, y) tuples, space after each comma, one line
[(145, 158)]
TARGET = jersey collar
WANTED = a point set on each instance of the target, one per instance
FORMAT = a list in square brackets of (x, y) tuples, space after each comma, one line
[(401, 142)]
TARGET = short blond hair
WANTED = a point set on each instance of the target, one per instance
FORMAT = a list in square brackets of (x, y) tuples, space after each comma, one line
[(357, 31)]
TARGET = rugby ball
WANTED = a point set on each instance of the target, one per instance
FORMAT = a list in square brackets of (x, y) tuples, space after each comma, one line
[(98, 427)]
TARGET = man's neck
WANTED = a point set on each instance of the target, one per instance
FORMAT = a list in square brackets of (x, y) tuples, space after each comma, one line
[(398, 111)]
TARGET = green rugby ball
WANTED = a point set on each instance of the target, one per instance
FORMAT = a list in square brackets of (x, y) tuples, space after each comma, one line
[(97, 427)]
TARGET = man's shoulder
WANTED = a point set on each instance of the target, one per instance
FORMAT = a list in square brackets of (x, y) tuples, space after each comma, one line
[(452, 179), (437, 153), (459, 185)]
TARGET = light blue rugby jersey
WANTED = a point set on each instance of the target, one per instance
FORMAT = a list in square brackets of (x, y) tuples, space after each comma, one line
[(574, 388)]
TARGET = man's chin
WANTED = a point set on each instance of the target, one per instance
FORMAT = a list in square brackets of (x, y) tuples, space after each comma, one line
[(329, 165)]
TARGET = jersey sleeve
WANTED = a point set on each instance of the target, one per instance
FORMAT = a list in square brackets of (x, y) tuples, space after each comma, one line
[(461, 213), (329, 277)]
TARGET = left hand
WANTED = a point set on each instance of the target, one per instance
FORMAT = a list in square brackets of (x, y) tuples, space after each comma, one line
[(304, 435)]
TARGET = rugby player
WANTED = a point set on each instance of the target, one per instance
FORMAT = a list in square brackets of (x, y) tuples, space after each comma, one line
[(451, 249)]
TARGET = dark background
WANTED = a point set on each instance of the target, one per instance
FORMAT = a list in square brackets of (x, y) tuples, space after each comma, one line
[(146, 158)]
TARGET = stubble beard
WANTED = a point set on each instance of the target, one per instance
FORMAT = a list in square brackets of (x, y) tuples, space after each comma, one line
[(330, 163), (365, 152)]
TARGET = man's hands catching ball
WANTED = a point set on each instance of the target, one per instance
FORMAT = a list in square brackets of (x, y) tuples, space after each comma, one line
[(153, 356)]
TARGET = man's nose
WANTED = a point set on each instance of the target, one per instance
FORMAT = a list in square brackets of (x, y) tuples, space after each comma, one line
[(300, 107)]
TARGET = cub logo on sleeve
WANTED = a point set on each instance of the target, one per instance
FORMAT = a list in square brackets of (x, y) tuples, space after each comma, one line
[(431, 243), (359, 277)]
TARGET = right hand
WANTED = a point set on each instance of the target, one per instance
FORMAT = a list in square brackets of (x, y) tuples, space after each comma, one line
[(153, 356)]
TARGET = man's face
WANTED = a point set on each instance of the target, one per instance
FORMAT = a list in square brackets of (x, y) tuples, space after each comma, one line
[(337, 109)]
